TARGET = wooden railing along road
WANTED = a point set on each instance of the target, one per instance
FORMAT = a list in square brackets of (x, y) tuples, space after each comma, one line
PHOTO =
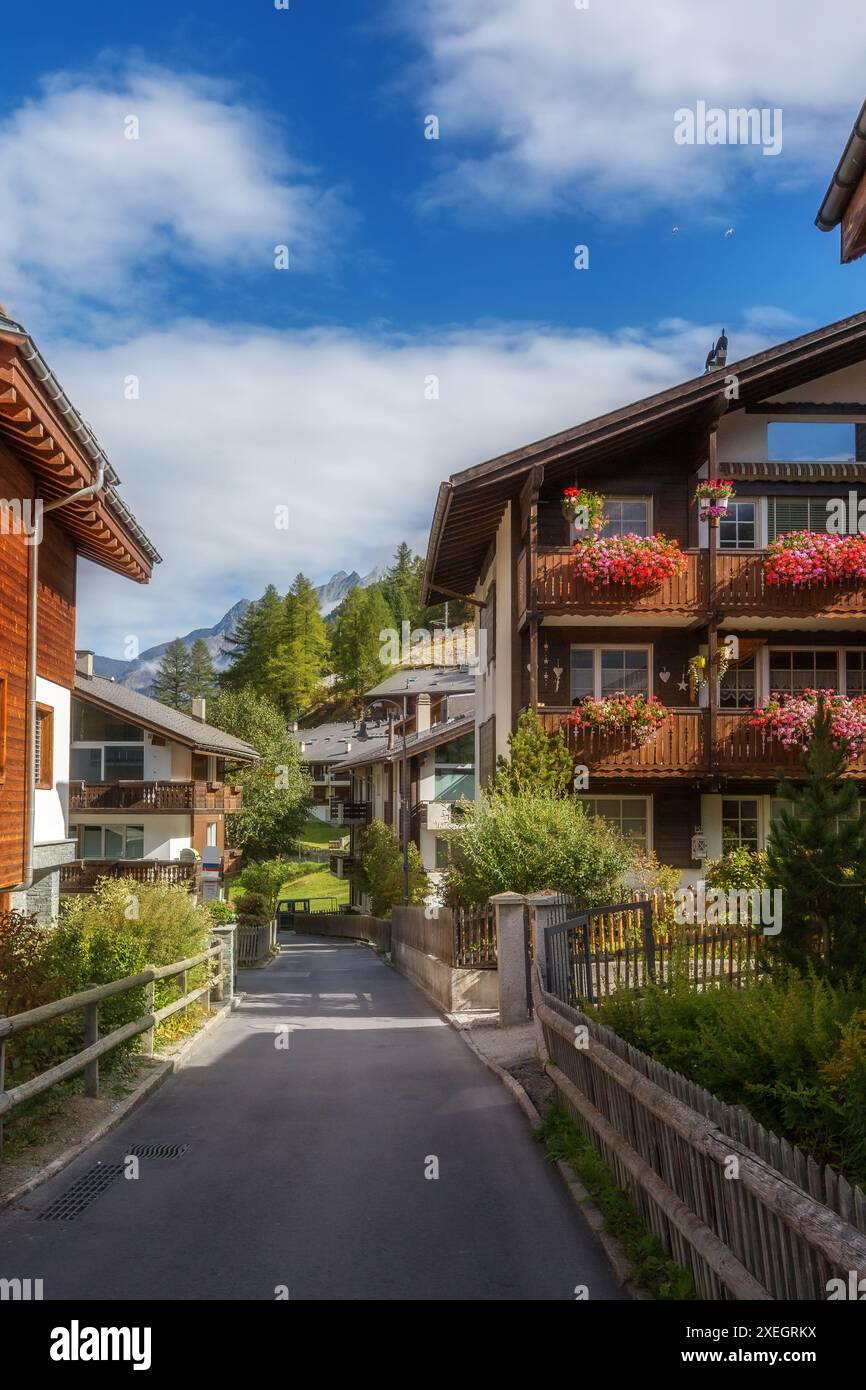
[(88, 1001), (80, 875)]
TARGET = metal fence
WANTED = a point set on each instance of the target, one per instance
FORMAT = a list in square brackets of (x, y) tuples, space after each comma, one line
[(590, 954)]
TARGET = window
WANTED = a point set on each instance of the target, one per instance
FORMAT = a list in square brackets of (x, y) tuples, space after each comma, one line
[(630, 815), (111, 763), (811, 439), (855, 673), (211, 837), (487, 625), (112, 842), (443, 852), (795, 514), (738, 528), (602, 671), (43, 734), (487, 750), (739, 824), (737, 688), (92, 725), (454, 768), (626, 516), (794, 671)]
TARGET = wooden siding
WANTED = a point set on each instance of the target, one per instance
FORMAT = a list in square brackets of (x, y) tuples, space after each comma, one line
[(560, 592), (676, 749)]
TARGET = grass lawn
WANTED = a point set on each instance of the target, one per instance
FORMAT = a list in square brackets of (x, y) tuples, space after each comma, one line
[(321, 884), (317, 833)]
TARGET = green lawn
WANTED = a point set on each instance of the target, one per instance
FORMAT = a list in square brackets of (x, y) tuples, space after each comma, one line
[(321, 884), (317, 833)]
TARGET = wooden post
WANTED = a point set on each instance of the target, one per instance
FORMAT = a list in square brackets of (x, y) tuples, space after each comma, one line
[(91, 1036), (147, 1038)]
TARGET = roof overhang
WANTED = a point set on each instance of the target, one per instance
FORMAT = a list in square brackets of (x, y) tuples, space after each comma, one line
[(43, 429), (471, 504), (845, 199), (163, 730)]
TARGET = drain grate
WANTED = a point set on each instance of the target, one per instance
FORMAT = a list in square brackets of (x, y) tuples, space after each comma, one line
[(158, 1150), (77, 1198)]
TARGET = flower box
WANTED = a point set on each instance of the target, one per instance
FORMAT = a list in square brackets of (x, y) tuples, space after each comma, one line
[(641, 563), (791, 720), (638, 715), (801, 559)]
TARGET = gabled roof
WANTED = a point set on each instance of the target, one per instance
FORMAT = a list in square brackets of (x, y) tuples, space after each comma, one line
[(326, 743), (426, 680), (42, 427), (161, 719), (415, 743), (470, 505)]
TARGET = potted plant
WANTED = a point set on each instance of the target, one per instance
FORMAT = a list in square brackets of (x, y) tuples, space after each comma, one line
[(638, 715), (713, 496), (584, 509), (800, 559)]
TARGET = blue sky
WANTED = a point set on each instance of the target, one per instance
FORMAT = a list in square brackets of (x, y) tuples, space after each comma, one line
[(409, 258)]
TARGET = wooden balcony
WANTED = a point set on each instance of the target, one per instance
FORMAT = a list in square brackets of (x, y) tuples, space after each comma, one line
[(561, 593), (145, 797), (350, 812), (80, 875), (742, 589), (739, 750), (676, 749)]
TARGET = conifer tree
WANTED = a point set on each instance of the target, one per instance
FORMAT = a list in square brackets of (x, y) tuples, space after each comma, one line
[(539, 763), (357, 640), (253, 642), (817, 856), (300, 659), (172, 682), (202, 680)]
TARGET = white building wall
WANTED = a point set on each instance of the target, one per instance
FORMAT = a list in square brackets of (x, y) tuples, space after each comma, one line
[(164, 836), (51, 807)]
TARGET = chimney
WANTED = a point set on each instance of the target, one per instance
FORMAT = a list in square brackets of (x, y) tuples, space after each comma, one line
[(422, 714), (84, 664), (198, 708)]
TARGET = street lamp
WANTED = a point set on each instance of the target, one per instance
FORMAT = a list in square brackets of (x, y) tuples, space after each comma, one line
[(404, 809)]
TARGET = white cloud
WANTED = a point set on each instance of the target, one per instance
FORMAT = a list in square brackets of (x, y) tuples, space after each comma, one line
[(91, 218), (233, 423), (541, 102)]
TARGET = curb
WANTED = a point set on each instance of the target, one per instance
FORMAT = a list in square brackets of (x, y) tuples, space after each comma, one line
[(163, 1068), (614, 1253)]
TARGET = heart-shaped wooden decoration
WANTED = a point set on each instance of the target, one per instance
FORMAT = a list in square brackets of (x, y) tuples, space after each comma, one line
[(664, 675)]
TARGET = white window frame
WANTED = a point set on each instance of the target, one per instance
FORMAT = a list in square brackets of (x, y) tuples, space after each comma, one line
[(762, 817), (111, 743), (624, 497), (838, 652), (626, 796), (761, 526), (597, 650)]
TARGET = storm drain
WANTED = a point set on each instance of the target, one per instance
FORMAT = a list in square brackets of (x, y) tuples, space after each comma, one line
[(158, 1150), (77, 1198)]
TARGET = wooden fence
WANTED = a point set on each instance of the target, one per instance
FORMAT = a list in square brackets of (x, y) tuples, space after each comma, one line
[(748, 1215), (89, 1000), (473, 936), (254, 942)]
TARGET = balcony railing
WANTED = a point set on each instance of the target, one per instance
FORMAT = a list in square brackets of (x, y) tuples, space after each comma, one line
[(80, 875), (560, 592), (682, 746), (350, 812), (677, 748), (742, 588), (153, 796), (747, 752)]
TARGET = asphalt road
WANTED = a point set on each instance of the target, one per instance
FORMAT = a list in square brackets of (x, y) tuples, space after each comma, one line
[(305, 1165)]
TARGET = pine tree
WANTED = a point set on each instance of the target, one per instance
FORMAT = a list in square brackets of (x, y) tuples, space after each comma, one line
[(401, 588), (539, 763), (172, 683), (254, 640), (276, 790), (202, 681), (817, 856), (357, 640)]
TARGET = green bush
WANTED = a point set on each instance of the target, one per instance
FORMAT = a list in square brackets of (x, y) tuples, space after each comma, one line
[(266, 879), (115, 931), (741, 868), (221, 913), (791, 1048), (253, 909), (524, 844)]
